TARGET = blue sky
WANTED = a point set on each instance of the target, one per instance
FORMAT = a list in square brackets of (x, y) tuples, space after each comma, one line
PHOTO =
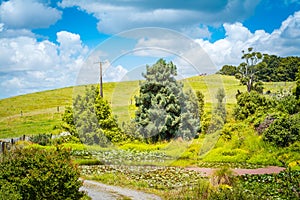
[(46, 44)]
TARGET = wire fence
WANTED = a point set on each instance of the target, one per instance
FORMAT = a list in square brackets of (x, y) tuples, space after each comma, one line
[(7, 144)]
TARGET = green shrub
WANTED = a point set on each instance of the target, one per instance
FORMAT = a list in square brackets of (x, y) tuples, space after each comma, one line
[(288, 104), (67, 139), (8, 191), (36, 173), (250, 103), (283, 131), (41, 139)]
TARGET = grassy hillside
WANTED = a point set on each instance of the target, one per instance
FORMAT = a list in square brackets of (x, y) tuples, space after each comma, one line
[(41, 112)]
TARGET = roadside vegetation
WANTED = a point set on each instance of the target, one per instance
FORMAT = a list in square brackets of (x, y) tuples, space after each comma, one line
[(148, 138)]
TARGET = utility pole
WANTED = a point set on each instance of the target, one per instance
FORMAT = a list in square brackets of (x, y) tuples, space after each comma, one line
[(100, 84)]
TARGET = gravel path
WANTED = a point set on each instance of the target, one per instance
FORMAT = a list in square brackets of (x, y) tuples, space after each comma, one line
[(238, 171), (100, 191)]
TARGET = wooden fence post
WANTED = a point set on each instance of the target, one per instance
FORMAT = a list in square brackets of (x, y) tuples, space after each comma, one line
[(3, 147)]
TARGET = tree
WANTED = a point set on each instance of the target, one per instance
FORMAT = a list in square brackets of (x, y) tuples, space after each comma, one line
[(220, 108), (283, 131), (250, 103), (92, 119), (228, 70), (218, 117), (68, 121), (35, 173), (200, 99), (248, 68), (297, 89), (164, 110)]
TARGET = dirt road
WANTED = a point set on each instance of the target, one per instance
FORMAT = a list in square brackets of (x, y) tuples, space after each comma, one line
[(100, 191)]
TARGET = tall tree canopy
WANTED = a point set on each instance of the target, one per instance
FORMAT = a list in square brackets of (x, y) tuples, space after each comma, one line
[(164, 110), (248, 69), (271, 68)]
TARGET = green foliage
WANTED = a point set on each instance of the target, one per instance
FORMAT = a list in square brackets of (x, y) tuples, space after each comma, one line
[(250, 103), (41, 139), (284, 131), (68, 121), (66, 139), (8, 191), (107, 121), (274, 68), (164, 110), (222, 176), (36, 173), (247, 70), (284, 185), (226, 155), (93, 119), (288, 104), (229, 70), (42, 116), (218, 117), (200, 100), (297, 89), (220, 108), (90, 161)]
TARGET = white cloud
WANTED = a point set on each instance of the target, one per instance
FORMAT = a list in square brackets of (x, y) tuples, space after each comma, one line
[(70, 46), (284, 41), (29, 65), (117, 17), (114, 73), (90, 70), (28, 14), (13, 33)]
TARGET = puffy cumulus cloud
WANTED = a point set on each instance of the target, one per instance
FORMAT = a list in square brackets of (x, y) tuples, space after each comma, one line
[(27, 14), (70, 46), (25, 53), (112, 73), (284, 41), (28, 65), (90, 69), (290, 28), (116, 16)]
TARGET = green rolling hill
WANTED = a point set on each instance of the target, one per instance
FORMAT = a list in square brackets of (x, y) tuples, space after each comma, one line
[(41, 112)]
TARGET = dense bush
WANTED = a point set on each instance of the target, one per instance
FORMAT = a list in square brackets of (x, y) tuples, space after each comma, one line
[(41, 139), (91, 119), (35, 173), (284, 131), (250, 103), (288, 104)]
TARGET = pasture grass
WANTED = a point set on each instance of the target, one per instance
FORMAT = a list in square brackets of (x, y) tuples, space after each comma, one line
[(41, 111)]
